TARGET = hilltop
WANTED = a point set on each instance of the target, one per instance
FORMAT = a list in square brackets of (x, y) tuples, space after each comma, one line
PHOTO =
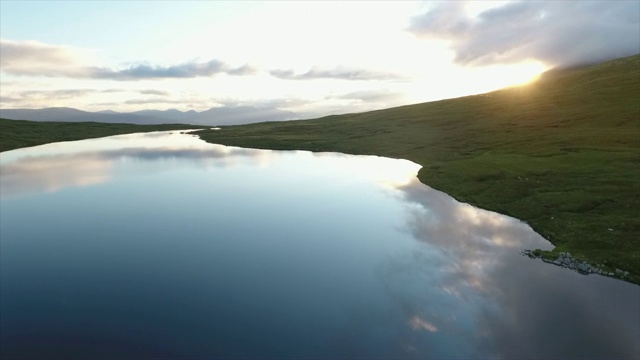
[(562, 153)]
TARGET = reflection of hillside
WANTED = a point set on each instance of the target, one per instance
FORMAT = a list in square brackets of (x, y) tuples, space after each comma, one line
[(57, 166)]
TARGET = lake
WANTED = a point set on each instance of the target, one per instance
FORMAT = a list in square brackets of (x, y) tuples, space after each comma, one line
[(162, 245)]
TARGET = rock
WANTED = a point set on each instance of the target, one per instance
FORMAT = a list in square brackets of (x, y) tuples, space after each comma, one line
[(565, 260), (584, 267)]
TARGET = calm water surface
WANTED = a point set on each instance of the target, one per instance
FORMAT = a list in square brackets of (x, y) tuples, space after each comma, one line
[(161, 245)]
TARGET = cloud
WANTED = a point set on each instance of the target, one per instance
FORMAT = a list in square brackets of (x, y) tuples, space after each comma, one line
[(50, 172), (417, 323), (56, 94), (35, 58), (181, 71), (31, 58), (342, 73), (152, 101), (375, 95), (154, 92), (243, 70), (559, 33), (9, 100), (470, 289), (286, 102), (33, 52), (31, 97)]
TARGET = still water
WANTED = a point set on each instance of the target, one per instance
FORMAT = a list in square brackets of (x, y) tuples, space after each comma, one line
[(162, 245)]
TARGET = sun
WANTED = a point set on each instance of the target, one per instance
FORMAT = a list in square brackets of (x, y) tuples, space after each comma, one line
[(519, 74), (479, 80)]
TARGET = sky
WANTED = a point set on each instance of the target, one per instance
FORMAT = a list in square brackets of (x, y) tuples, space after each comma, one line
[(311, 58)]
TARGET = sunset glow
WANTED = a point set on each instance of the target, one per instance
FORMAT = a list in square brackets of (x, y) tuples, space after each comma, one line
[(306, 58)]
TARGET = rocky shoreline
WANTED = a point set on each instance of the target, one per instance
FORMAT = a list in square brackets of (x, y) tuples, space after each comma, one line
[(565, 260)]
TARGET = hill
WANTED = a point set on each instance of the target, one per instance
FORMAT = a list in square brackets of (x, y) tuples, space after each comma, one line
[(562, 154)]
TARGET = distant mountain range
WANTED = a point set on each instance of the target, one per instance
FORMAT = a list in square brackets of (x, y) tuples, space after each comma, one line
[(214, 116)]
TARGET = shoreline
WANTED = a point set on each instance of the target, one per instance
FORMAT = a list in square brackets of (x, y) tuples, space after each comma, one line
[(565, 260)]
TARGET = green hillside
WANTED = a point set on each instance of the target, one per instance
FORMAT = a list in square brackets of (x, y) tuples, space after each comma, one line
[(562, 153), (21, 133)]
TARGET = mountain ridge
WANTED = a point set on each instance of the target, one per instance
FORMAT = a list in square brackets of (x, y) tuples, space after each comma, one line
[(236, 115)]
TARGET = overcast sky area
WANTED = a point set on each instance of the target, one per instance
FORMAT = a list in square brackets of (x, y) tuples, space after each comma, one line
[(312, 58)]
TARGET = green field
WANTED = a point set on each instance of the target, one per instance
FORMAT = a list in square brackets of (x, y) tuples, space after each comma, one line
[(16, 134), (562, 154)]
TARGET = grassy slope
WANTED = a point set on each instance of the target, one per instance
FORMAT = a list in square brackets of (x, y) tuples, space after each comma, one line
[(562, 154), (21, 133)]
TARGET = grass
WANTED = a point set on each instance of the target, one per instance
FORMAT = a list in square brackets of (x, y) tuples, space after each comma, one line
[(562, 154), (16, 134)]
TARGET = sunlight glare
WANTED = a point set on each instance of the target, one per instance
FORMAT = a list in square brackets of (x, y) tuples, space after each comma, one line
[(518, 74), (395, 174)]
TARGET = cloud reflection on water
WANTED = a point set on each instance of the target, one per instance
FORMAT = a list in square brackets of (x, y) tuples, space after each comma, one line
[(417, 323), (471, 239), (489, 301), (53, 173), (53, 167)]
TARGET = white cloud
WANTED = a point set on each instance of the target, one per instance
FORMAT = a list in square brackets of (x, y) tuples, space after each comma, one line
[(180, 71), (30, 58), (342, 73), (559, 33), (374, 95), (36, 58), (32, 52), (154, 92)]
